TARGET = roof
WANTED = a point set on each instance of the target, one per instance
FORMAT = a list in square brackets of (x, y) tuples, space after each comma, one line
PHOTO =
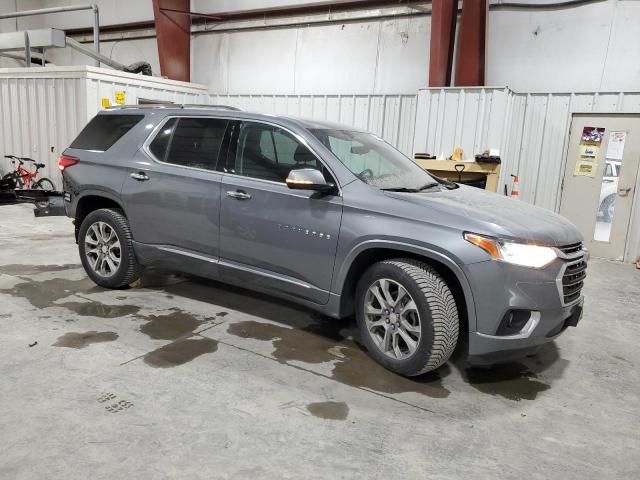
[(233, 112)]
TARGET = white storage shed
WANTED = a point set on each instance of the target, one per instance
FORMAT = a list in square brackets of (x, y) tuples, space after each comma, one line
[(42, 109)]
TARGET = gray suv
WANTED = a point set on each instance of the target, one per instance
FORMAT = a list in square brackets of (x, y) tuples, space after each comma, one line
[(330, 217)]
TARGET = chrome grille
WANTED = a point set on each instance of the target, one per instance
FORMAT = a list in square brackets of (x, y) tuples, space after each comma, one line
[(573, 274), (571, 249)]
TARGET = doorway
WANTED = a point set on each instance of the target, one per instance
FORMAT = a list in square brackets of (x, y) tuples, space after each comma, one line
[(599, 180)]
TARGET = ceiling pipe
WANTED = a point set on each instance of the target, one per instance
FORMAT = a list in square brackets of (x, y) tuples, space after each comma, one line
[(69, 8)]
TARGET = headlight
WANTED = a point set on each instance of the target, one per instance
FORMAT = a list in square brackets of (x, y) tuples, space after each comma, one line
[(522, 254)]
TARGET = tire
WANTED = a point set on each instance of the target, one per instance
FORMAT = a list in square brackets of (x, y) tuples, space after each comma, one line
[(435, 309), (8, 182), (606, 208), (44, 184), (92, 238)]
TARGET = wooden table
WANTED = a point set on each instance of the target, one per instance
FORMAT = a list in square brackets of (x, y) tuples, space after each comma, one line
[(472, 171)]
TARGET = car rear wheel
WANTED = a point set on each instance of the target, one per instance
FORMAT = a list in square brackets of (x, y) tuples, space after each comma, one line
[(106, 249), (407, 316)]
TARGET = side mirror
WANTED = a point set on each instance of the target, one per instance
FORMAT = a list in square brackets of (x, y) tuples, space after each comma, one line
[(308, 179)]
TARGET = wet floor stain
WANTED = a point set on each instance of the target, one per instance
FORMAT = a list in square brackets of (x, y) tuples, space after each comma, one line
[(20, 269), (513, 381), (180, 352), (99, 309), (351, 365), (44, 293), (523, 380), (329, 410), (170, 326), (82, 340)]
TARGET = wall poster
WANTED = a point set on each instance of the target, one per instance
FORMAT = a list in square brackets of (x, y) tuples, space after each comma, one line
[(589, 151)]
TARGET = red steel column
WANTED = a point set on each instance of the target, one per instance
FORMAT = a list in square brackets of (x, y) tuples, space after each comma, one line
[(443, 31), (173, 33), (470, 55)]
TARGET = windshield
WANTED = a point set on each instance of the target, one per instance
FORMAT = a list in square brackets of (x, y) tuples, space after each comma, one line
[(374, 161)]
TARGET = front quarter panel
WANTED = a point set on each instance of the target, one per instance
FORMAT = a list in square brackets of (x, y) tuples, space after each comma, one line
[(371, 220)]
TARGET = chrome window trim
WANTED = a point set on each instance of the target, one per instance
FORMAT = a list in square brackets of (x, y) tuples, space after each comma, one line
[(302, 140)]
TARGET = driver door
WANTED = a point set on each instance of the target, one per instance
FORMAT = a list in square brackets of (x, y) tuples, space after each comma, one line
[(271, 237)]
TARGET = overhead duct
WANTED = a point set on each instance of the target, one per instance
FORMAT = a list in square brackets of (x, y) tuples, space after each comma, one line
[(69, 8)]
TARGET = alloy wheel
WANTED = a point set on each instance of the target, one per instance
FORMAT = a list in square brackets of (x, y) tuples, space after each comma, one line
[(102, 249), (392, 319)]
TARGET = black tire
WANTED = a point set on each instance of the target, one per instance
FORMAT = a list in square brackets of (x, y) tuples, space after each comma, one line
[(8, 182), (435, 304), (44, 184), (128, 270), (605, 207)]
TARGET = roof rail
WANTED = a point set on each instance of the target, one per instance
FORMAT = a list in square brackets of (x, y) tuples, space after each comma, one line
[(172, 105)]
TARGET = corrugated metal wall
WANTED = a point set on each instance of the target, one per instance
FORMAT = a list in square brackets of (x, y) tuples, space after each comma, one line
[(529, 129), (43, 109), (39, 118), (392, 117)]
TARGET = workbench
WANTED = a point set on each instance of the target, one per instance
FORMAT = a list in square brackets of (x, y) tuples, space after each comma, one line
[(473, 171)]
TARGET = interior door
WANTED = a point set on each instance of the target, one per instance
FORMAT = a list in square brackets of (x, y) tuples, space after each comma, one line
[(600, 178), (271, 237)]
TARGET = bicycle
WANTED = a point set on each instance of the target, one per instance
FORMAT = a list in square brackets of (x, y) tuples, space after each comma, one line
[(24, 179)]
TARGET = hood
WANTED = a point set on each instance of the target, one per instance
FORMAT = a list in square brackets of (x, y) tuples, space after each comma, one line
[(475, 210)]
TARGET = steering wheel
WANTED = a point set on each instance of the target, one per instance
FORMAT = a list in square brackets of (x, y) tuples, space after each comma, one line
[(364, 174)]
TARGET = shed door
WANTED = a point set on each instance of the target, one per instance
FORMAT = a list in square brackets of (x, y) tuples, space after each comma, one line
[(600, 178)]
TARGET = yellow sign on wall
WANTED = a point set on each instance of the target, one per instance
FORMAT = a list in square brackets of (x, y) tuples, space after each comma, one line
[(120, 97), (106, 103)]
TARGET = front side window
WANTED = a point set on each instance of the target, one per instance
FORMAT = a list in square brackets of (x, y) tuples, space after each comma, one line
[(190, 142), (374, 161), (269, 153)]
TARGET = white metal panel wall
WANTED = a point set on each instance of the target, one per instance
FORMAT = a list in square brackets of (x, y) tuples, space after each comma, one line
[(43, 109), (392, 117), (529, 129), (39, 118)]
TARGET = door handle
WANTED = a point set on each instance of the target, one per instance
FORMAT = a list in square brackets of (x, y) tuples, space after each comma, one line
[(238, 195), (140, 176), (623, 192)]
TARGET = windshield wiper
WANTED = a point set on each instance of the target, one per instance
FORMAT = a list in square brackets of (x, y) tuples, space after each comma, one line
[(411, 190), (428, 185)]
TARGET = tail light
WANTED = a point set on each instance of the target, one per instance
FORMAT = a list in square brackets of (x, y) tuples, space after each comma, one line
[(66, 161)]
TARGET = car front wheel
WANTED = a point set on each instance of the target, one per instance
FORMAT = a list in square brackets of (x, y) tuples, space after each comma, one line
[(407, 316)]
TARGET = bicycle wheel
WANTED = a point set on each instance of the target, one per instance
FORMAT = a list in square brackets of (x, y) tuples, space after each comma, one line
[(44, 184)]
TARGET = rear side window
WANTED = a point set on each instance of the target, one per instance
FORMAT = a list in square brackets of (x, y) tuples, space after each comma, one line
[(105, 130), (190, 142), (160, 144)]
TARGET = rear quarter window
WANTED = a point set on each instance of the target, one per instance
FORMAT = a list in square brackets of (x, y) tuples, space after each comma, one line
[(104, 131)]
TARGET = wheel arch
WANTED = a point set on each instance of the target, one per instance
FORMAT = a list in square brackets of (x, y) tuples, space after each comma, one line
[(365, 255), (91, 201)]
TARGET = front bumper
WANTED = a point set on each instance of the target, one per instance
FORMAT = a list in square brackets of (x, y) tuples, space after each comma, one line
[(500, 288)]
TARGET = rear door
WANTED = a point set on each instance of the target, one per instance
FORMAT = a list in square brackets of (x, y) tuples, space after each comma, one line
[(271, 237), (172, 195)]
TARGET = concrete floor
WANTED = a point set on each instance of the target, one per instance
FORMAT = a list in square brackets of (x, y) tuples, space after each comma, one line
[(186, 378)]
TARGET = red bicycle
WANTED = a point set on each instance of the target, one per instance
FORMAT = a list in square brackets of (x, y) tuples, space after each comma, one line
[(26, 178)]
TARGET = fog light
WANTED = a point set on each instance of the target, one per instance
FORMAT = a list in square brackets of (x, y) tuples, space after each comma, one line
[(513, 322)]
